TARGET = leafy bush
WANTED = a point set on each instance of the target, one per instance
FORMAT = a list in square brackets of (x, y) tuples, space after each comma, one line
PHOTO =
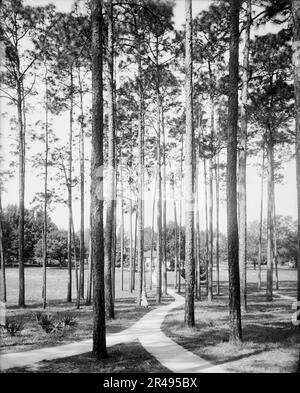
[(13, 327)]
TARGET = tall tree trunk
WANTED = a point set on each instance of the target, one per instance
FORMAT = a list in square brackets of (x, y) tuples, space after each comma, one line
[(189, 169), (159, 247), (140, 289), (45, 194), (180, 215), (135, 244), (2, 259), (176, 233), (76, 265), (82, 180), (88, 299), (275, 247), (69, 289), (243, 165), (164, 205), (296, 64), (172, 182), (21, 192), (97, 238), (109, 303), (270, 218), (211, 198), (122, 221), (217, 177), (206, 224), (152, 231), (217, 180), (130, 218), (261, 220), (232, 224), (114, 242), (130, 241), (198, 265)]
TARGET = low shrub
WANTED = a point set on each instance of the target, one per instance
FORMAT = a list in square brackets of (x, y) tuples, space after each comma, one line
[(46, 321), (68, 320), (13, 327), (50, 324)]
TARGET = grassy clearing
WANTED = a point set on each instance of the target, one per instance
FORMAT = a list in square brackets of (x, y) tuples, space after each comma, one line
[(129, 358), (270, 341), (33, 336), (57, 279)]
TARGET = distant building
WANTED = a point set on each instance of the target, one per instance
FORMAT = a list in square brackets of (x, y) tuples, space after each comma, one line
[(147, 258)]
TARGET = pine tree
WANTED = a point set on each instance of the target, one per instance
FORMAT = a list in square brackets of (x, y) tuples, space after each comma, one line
[(232, 225), (242, 192), (189, 172), (97, 238), (109, 303), (296, 64)]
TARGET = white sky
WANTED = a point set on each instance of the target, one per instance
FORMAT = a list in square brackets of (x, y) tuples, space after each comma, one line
[(285, 192)]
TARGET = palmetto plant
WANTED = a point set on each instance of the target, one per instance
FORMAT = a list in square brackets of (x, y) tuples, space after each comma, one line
[(13, 327), (50, 324)]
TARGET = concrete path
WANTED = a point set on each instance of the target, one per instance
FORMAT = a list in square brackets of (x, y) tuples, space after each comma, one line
[(165, 350), (147, 330)]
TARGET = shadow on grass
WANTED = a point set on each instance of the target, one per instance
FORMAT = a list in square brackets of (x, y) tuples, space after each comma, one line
[(267, 327), (34, 337), (129, 358)]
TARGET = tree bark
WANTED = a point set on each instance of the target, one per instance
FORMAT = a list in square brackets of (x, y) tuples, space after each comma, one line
[(88, 299), (198, 264), (211, 200), (45, 194), (2, 259), (76, 266), (21, 192), (243, 165), (97, 238), (180, 215), (189, 171), (159, 247), (152, 231), (114, 242), (232, 224), (217, 176), (261, 221), (140, 288), (2, 256), (296, 64), (135, 244), (206, 224), (130, 245), (176, 229), (69, 288), (275, 247), (164, 206), (82, 180), (270, 218), (122, 221), (109, 303)]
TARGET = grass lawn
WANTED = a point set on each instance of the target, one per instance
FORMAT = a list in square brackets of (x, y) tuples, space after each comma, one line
[(129, 358), (33, 336), (270, 340)]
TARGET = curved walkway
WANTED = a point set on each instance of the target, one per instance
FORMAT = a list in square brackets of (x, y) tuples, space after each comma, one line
[(147, 330)]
